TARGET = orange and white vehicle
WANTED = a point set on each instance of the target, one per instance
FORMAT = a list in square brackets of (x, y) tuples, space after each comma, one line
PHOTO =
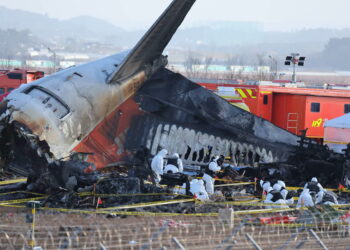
[(12, 79), (291, 108), (226, 90)]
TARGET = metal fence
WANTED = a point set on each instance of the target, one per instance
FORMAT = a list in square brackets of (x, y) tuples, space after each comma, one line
[(56, 230)]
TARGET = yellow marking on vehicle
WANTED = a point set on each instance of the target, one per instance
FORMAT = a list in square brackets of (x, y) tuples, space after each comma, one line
[(250, 92), (336, 142), (241, 93), (317, 123)]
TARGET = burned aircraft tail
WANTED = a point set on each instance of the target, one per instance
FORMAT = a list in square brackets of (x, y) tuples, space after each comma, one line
[(147, 54)]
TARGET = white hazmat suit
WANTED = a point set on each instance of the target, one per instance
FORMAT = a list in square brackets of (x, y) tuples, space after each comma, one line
[(179, 162), (305, 199), (274, 196), (208, 176), (266, 185), (284, 192), (269, 196), (197, 188), (315, 189), (170, 168), (157, 164)]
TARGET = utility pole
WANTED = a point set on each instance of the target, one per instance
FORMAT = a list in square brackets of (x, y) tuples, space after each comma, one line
[(295, 59), (54, 58)]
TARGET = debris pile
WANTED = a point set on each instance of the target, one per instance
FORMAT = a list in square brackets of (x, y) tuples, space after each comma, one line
[(163, 184), (309, 160)]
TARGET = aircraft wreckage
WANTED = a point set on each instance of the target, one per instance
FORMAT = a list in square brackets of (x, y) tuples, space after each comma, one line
[(98, 114)]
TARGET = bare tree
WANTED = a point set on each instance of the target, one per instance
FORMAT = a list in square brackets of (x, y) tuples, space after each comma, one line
[(24, 58), (207, 62), (260, 59), (229, 62), (8, 62), (191, 65)]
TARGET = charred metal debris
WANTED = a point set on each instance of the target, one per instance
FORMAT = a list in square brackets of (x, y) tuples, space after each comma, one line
[(73, 183)]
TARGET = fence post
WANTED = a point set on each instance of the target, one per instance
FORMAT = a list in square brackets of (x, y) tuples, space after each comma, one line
[(178, 243), (226, 216), (318, 239), (250, 238)]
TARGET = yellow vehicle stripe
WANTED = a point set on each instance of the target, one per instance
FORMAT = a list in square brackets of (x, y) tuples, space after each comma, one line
[(241, 93), (250, 92)]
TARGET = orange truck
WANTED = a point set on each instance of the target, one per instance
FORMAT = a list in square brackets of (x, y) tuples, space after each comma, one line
[(291, 108), (11, 79)]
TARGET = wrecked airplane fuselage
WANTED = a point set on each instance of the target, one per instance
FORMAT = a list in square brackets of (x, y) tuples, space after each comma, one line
[(50, 120), (61, 110)]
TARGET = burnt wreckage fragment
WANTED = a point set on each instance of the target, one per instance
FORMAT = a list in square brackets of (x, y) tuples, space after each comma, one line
[(308, 160)]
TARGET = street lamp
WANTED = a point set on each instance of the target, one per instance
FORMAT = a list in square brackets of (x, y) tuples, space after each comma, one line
[(54, 58), (275, 63), (295, 59)]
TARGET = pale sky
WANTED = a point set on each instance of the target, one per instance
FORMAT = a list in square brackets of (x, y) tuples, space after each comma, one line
[(139, 14)]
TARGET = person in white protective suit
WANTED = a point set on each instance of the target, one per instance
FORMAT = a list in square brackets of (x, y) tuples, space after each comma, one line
[(179, 162), (266, 185), (268, 199), (209, 175), (174, 164), (316, 190), (171, 169), (157, 164), (305, 199), (197, 188), (287, 196), (274, 196)]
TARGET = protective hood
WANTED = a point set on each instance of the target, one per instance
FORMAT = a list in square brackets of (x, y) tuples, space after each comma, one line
[(282, 183), (163, 152), (216, 158)]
